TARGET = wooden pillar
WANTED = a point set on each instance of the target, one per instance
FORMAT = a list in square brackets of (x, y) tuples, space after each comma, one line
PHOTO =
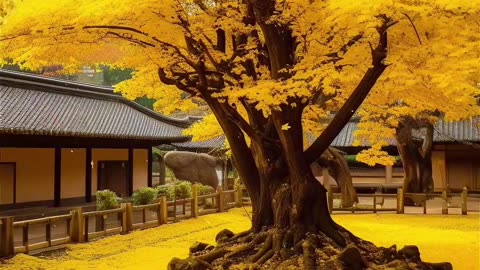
[(163, 210), (439, 170), (57, 186), (464, 197), (127, 217), (225, 181), (400, 198), (88, 174), (130, 171), (221, 199), (76, 225), (149, 167), (194, 205), (6, 236), (444, 202), (388, 174)]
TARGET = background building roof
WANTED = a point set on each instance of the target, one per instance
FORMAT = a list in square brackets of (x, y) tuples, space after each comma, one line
[(444, 132), (36, 105)]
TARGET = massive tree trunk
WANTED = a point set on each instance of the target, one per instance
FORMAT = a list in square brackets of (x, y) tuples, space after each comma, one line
[(416, 156), (291, 224)]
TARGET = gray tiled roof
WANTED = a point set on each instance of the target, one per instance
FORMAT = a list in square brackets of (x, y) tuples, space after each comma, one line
[(216, 142), (345, 138), (466, 131), (35, 105)]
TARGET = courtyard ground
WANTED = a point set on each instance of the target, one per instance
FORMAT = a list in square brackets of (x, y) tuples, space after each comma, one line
[(452, 238)]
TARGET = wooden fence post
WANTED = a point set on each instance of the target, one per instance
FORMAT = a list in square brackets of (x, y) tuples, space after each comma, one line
[(374, 203), (123, 206), (163, 210), (464, 200), (194, 204), (239, 196), (445, 202), (221, 199), (425, 205), (6, 236), (76, 225), (400, 198), (48, 232), (85, 224), (129, 217), (330, 198), (25, 237)]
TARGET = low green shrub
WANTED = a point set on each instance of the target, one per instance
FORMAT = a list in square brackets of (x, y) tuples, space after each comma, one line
[(144, 196), (166, 191), (106, 199), (204, 190), (183, 190)]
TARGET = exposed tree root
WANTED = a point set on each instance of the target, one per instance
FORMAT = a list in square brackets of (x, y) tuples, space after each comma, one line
[(264, 249), (277, 249)]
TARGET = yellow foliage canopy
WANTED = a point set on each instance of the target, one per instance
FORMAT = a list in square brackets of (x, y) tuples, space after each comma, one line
[(434, 53)]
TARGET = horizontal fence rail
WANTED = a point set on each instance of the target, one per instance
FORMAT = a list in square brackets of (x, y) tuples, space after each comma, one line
[(419, 199), (49, 240), (84, 226)]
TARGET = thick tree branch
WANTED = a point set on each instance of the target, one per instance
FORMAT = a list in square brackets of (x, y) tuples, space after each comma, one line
[(335, 56), (238, 119), (175, 81), (427, 141), (356, 98)]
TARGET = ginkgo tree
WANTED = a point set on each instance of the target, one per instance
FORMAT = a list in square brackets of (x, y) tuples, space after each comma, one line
[(445, 88), (269, 71)]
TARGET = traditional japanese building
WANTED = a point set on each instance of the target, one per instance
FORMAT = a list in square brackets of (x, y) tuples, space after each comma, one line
[(62, 141), (455, 156)]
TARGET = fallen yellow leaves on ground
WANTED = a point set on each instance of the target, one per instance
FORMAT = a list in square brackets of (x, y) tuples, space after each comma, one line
[(440, 238)]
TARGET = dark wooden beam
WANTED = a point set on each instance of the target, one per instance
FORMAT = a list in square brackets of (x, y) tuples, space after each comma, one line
[(57, 187), (88, 174), (130, 171), (149, 167), (46, 141)]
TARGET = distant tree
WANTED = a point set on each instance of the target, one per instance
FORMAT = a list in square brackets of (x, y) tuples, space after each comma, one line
[(113, 76)]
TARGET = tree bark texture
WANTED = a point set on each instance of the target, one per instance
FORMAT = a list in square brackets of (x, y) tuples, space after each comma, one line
[(416, 156)]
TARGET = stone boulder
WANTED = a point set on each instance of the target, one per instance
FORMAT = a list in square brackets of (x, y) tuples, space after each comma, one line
[(193, 167)]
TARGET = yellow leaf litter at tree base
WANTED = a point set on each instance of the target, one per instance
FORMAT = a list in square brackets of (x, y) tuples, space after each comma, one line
[(450, 238)]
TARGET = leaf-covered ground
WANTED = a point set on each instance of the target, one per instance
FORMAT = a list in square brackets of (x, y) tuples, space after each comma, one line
[(440, 238)]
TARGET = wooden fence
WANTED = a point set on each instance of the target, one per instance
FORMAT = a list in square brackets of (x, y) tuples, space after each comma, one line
[(79, 225), (419, 198)]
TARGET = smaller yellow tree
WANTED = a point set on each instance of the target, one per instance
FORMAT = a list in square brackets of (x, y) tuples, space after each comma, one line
[(441, 88)]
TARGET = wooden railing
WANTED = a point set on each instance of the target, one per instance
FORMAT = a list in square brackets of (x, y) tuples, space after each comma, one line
[(419, 198), (78, 223), (101, 223), (49, 241)]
